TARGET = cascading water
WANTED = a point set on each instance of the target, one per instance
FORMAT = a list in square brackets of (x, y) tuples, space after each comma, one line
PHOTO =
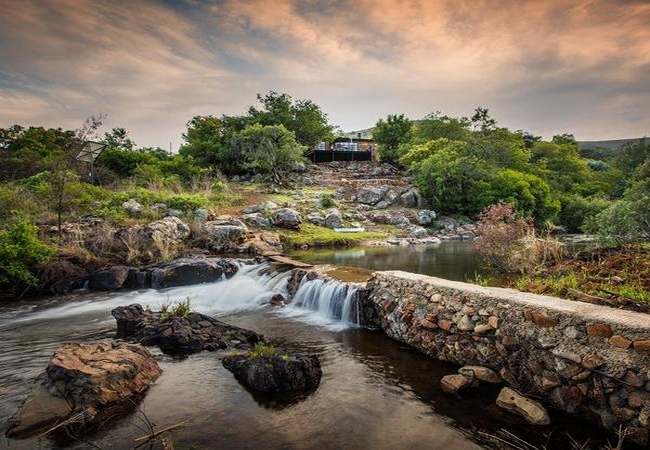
[(329, 301)]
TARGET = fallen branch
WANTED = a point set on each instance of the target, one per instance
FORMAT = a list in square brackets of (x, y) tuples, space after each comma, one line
[(161, 431)]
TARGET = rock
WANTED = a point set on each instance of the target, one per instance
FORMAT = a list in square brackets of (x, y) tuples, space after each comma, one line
[(465, 324), (256, 220), (286, 218), (481, 373), (620, 341), (132, 207), (277, 300), (108, 279), (86, 380), (425, 217), (533, 412), (269, 205), (599, 330), (276, 374), (454, 383), (333, 219), (169, 228), (410, 198), (186, 271), (177, 335), (316, 218), (369, 195), (418, 232), (223, 236)]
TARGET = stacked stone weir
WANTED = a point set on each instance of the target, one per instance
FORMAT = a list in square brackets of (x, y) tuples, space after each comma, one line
[(585, 359)]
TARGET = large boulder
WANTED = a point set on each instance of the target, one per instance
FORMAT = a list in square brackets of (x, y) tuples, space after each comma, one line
[(186, 271), (168, 229), (257, 220), (425, 217), (316, 218), (286, 218), (533, 412), (109, 278), (82, 383), (410, 198), (369, 195), (333, 219), (276, 373), (180, 333), (224, 235)]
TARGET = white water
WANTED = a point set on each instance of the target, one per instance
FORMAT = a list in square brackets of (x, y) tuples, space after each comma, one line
[(331, 304)]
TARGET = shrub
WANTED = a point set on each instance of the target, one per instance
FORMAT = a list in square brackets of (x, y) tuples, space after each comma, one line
[(21, 255), (623, 222), (577, 210), (180, 309), (509, 242)]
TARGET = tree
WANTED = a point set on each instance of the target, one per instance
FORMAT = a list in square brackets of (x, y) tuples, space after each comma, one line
[(63, 162), (118, 138), (435, 125), (303, 117), (481, 120), (389, 134), (266, 150)]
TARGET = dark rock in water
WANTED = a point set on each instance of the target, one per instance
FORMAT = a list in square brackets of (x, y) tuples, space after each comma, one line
[(277, 300), (275, 373), (83, 384), (109, 279), (176, 335), (185, 271)]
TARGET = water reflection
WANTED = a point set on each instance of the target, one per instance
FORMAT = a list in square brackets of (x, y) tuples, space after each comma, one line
[(454, 260)]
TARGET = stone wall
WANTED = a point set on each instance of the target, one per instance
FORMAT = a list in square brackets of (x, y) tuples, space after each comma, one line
[(588, 360)]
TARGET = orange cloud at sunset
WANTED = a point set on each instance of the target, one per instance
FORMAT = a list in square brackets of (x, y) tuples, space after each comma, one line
[(546, 66)]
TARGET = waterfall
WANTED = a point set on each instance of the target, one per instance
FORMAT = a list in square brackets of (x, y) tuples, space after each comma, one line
[(329, 301)]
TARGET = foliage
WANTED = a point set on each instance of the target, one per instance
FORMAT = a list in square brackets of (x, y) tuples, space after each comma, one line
[(180, 309), (509, 243), (263, 351), (389, 134), (577, 210), (304, 118), (21, 255), (266, 150)]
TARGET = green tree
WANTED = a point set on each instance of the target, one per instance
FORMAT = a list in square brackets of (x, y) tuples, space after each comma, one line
[(118, 138), (482, 121), (435, 126), (389, 134), (303, 117), (267, 150)]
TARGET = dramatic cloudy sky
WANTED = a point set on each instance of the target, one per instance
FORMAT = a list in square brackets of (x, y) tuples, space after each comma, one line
[(548, 66)]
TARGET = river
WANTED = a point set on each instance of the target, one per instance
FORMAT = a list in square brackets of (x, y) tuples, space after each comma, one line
[(375, 393)]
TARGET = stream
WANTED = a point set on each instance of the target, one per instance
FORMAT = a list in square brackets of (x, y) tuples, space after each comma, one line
[(375, 393)]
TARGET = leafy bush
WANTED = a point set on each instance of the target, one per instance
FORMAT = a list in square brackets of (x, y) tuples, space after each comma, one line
[(21, 255), (623, 222), (577, 210), (509, 242)]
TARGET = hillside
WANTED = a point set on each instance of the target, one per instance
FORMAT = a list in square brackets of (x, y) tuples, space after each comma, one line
[(613, 144)]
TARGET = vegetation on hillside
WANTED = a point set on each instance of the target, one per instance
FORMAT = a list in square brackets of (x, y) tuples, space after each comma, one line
[(461, 165)]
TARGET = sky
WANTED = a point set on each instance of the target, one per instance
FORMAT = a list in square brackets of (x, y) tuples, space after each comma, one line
[(548, 67)]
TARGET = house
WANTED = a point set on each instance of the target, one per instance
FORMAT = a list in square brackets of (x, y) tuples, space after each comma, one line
[(343, 149)]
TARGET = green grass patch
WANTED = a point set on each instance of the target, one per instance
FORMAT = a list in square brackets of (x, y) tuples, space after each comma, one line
[(179, 309), (315, 236)]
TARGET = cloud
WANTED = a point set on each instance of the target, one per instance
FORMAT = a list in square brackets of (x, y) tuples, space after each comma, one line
[(547, 66)]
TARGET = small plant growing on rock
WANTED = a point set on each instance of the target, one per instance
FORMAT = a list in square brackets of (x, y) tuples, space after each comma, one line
[(263, 351), (180, 309)]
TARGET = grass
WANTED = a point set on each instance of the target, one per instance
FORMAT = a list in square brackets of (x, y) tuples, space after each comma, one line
[(267, 351), (479, 280), (179, 309), (607, 273), (315, 236)]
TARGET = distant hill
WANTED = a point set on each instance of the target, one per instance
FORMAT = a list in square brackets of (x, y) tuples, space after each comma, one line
[(613, 144), (359, 134)]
